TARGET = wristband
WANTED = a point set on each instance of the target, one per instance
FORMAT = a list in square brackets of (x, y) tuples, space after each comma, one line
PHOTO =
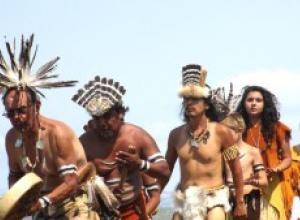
[(44, 201)]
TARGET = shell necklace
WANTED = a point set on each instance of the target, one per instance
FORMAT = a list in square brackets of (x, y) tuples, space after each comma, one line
[(26, 163), (202, 137)]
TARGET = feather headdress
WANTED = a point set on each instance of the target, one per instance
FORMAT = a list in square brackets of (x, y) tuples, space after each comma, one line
[(193, 82), (99, 95), (18, 73), (224, 105)]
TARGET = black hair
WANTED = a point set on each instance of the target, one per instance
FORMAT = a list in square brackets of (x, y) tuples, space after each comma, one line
[(211, 112), (116, 109), (270, 115), (32, 95)]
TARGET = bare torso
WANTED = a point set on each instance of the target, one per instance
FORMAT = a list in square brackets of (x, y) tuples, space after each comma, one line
[(48, 161), (103, 154), (202, 166), (247, 163)]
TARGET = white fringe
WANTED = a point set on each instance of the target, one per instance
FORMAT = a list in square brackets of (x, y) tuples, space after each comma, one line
[(195, 201)]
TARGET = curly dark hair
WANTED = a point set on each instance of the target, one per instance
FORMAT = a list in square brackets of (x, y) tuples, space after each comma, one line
[(270, 115), (211, 113), (120, 108)]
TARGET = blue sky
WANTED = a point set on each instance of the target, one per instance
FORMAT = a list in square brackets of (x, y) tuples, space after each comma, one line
[(143, 44)]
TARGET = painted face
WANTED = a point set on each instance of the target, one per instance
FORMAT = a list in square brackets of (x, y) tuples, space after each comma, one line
[(19, 110), (254, 103), (194, 106), (108, 125)]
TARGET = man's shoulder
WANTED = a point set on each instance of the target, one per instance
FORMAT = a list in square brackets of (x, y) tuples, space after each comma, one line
[(128, 129), (11, 137), (130, 126), (11, 133), (58, 128), (219, 128), (178, 130)]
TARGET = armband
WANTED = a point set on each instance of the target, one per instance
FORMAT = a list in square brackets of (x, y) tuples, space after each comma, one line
[(67, 169), (231, 153), (145, 165), (258, 167), (157, 157), (151, 187)]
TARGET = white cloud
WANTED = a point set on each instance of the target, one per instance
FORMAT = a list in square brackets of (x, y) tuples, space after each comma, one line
[(283, 83)]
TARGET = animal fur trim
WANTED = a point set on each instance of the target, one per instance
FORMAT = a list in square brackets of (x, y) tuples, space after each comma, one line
[(195, 201), (192, 90)]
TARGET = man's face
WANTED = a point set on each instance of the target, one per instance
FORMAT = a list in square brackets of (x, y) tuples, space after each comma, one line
[(254, 103), (108, 125), (19, 109), (194, 106)]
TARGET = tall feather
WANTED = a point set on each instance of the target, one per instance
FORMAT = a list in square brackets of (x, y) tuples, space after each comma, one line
[(19, 74), (203, 77), (224, 105)]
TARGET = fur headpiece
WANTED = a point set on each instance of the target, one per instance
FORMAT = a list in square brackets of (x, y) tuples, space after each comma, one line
[(224, 105), (19, 75), (193, 82), (99, 95)]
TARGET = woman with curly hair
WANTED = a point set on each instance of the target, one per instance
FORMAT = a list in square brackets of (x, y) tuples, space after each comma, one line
[(258, 107)]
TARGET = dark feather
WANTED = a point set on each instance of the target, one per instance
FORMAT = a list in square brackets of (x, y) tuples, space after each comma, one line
[(34, 56), (104, 80), (37, 91), (230, 94), (12, 57), (116, 85), (50, 85), (110, 81), (3, 64), (46, 68), (97, 78)]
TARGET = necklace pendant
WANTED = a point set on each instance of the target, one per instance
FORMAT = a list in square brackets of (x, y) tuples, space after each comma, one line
[(205, 137), (26, 164), (18, 143), (194, 143), (40, 144)]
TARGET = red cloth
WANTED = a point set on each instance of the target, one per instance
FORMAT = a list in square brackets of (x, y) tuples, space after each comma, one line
[(129, 214), (135, 211)]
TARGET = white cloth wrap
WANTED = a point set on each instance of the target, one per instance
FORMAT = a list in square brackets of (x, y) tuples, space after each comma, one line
[(195, 202)]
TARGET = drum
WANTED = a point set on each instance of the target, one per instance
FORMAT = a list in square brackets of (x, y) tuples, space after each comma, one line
[(21, 195)]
